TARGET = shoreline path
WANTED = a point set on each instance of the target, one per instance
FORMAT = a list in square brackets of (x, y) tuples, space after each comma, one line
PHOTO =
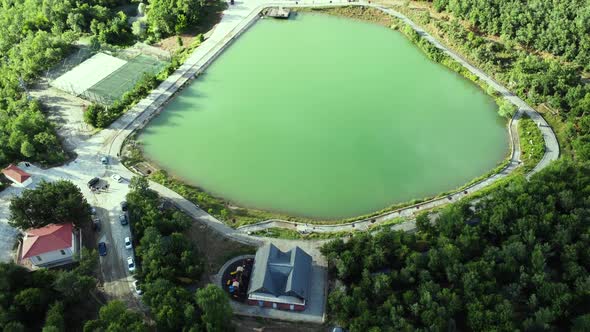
[(236, 19)]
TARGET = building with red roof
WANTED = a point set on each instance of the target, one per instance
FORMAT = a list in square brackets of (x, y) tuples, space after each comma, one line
[(49, 246), (17, 175)]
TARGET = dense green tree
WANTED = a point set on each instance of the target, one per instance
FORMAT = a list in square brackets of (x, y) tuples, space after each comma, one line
[(47, 300), (516, 260), (50, 202), (541, 54), (170, 305), (115, 316), (34, 36), (506, 109), (54, 319), (215, 309), (168, 262), (73, 285), (166, 17)]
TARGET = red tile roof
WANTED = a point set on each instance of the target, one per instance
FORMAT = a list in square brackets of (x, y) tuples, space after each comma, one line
[(16, 173), (45, 239)]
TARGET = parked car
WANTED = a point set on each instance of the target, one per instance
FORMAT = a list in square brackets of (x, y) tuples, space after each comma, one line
[(93, 182), (137, 287), (117, 178), (123, 219), (128, 244), (123, 206), (96, 224), (104, 160), (102, 249), (130, 264)]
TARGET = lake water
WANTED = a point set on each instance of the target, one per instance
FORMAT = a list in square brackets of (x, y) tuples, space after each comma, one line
[(326, 117)]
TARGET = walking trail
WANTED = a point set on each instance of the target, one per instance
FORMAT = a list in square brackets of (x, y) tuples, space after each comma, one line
[(236, 19)]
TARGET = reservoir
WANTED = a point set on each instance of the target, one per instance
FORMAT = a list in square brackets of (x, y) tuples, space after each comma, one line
[(326, 117)]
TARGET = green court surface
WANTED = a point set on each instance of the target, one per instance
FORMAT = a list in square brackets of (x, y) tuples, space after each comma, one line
[(112, 87)]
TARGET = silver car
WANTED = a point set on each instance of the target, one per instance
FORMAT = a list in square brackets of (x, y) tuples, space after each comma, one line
[(130, 264)]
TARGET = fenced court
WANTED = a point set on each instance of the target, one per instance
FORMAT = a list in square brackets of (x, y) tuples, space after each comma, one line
[(88, 73), (104, 78), (123, 79)]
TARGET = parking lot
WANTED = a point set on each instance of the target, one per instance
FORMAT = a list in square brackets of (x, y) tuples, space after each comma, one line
[(106, 198)]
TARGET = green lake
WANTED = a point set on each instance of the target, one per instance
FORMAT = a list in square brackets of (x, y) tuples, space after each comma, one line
[(326, 117)]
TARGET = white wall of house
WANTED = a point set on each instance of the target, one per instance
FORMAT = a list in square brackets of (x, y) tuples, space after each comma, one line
[(52, 257), (55, 256), (257, 296), (24, 184)]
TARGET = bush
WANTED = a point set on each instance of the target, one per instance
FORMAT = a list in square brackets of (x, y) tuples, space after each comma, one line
[(505, 108)]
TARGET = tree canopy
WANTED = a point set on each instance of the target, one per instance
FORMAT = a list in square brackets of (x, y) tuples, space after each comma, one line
[(114, 316), (52, 300), (34, 36), (215, 309), (558, 27), (518, 260), (166, 17), (539, 49), (169, 261), (49, 203)]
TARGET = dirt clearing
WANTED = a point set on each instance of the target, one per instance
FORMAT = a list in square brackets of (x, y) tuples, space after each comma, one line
[(215, 248)]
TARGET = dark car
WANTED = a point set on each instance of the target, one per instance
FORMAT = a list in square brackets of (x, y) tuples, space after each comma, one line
[(93, 182), (123, 206), (102, 249), (123, 219)]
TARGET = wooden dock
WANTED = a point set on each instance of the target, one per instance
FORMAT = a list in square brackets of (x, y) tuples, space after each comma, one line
[(277, 12)]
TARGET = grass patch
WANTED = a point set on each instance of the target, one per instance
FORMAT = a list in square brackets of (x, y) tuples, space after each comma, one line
[(386, 224), (290, 234), (361, 13), (531, 143)]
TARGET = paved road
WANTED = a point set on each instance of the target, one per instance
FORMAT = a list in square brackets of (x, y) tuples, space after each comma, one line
[(236, 19)]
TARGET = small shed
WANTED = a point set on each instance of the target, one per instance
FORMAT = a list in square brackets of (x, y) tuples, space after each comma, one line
[(17, 176)]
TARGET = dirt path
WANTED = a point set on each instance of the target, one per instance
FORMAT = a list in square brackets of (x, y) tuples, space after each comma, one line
[(66, 112)]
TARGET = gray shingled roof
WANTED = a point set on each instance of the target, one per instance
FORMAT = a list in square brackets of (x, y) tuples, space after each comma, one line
[(281, 273)]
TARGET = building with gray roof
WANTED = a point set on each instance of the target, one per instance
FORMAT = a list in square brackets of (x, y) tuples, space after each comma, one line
[(280, 279)]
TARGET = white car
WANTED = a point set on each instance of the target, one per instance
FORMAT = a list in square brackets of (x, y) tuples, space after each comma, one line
[(130, 264), (128, 244), (117, 177), (137, 287)]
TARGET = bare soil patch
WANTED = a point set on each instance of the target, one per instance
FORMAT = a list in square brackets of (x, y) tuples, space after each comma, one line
[(215, 248), (171, 44), (355, 12), (250, 324)]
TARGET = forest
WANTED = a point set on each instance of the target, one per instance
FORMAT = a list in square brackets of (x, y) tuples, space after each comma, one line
[(168, 264), (60, 300), (517, 260), (540, 49), (36, 34)]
